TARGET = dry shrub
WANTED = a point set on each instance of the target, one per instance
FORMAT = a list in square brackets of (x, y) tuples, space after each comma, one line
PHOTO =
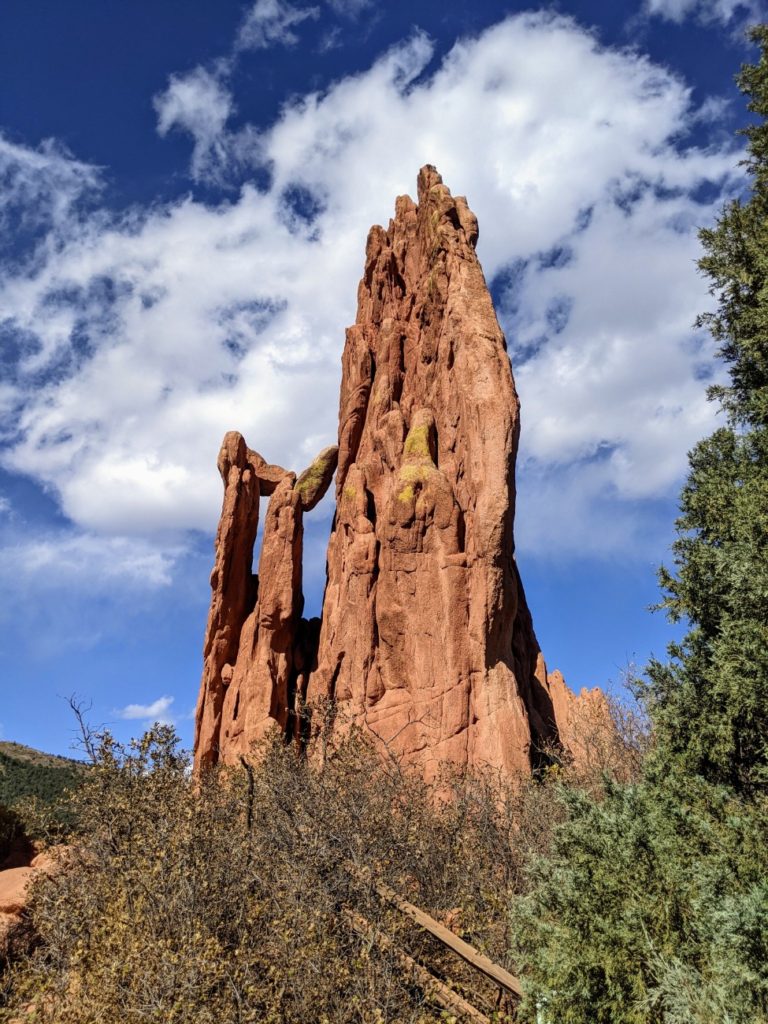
[(609, 738), (253, 893)]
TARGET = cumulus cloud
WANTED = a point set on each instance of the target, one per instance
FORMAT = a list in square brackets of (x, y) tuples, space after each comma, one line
[(185, 321), (723, 11), (272, 22), (157, 711)]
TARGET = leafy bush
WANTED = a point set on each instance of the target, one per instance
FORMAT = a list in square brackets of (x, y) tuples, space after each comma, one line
[(651, 909)]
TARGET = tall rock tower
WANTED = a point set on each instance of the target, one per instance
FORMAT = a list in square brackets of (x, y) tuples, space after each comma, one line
[(425, 639)]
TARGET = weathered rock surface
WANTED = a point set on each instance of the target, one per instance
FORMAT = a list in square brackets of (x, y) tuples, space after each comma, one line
[(256, 641), (13, 889), (16, 932), (585, 728), (425, 638)]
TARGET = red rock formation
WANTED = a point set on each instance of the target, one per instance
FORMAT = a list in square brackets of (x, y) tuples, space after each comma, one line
[(246, 476), (256, 639), (426, 639), (586, 729), (16, 932)]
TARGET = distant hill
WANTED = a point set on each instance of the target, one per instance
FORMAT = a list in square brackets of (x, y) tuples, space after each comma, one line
[(26, 772)]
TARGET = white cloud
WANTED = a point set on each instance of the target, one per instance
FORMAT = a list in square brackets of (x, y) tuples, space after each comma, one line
[(205, 318), (88, 562), (724, 11), (157, 711), (350, 8), (272, 22), (43, 191), (197, 102), (200, 103)]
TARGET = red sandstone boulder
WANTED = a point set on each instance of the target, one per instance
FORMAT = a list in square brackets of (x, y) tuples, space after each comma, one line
[(13, 889)]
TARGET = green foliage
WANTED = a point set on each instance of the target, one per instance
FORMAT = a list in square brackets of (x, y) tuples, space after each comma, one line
[(651, 910), (36, 787), (10, 829), (28, 773), (653, 906), (736, 263), (712, 699)]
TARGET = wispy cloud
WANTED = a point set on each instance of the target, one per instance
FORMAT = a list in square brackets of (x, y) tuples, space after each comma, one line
[(43, 183), (89, 562), (272, 23), (726, 12), (350, 8), (199, 103)]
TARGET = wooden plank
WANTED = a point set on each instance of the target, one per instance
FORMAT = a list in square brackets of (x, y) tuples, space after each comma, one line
[(434, 989), (463, 949)]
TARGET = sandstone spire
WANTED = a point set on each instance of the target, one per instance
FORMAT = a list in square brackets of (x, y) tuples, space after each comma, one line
[(255, 635), (426, 640)]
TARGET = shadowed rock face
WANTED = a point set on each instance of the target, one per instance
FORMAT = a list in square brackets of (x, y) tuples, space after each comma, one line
[(425, 638)]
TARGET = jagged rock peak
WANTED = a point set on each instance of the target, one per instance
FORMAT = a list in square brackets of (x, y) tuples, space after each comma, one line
[(425, 639)]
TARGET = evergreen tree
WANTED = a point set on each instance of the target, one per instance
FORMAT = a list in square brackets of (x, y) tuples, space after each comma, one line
[(711, 701), (653, 906)]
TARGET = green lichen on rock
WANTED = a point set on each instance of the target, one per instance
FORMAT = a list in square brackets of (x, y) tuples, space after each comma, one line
[(416, 474), (417, 443), (314, 481), (412, 478), (349, 492), (310, 479), (417, 448)]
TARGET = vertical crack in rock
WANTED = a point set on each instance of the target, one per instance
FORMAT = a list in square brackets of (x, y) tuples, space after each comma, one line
[(425, 638)]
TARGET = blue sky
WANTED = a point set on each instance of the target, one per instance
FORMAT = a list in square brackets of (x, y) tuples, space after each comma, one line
[(185, 191)]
